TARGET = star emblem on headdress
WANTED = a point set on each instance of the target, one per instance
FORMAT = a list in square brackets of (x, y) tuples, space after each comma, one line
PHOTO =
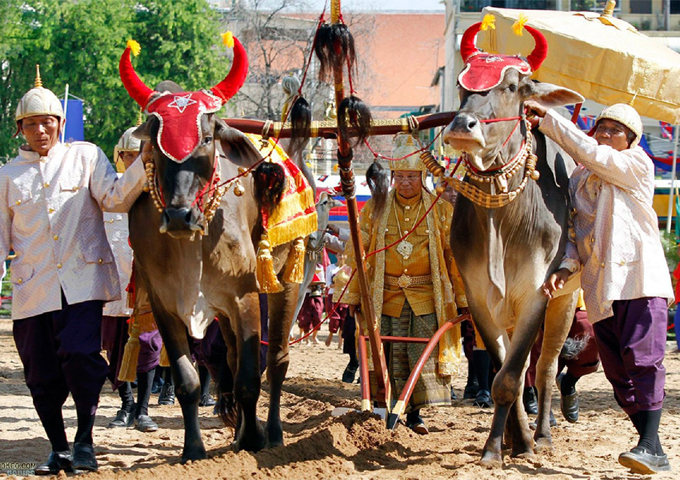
[(181, 102)]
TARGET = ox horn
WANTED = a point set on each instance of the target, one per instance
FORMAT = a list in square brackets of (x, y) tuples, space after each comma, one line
[(233, 82), (467, 43), (139, 92), (540, 51)]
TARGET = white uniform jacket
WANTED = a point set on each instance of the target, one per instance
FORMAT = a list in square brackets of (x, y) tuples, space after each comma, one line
[(616, 234), (51, 216)]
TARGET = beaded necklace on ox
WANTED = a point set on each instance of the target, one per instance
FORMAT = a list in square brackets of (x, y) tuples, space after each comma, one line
[(498, 178)]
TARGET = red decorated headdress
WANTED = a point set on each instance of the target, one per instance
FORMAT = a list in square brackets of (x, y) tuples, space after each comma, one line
[(180, 114), (484, 71)]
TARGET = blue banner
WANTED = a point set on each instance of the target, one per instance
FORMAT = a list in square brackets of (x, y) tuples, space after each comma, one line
[(74, 121)]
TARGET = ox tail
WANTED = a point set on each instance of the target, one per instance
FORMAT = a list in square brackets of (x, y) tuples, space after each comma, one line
[(270, 183), (573, 347), (378, 181)]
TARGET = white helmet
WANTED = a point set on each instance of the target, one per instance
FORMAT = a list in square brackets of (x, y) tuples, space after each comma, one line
[(625, 115), (126, 143), (39, 101)]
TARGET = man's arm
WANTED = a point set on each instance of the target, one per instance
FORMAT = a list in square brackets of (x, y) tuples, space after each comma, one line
[(624, 169), (115, 194), (5, 226)]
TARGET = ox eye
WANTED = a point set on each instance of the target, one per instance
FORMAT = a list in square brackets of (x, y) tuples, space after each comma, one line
[(207, 140), (512, 87)]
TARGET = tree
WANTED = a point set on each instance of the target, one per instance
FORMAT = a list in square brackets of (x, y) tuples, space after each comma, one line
[(80, 43)]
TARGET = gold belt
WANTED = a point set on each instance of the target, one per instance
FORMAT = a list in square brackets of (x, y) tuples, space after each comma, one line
[(406, 281)]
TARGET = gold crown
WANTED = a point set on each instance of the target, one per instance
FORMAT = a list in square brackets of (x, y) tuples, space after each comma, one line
[(406, 146)]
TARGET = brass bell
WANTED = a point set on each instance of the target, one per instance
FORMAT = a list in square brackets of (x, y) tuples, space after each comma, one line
[(238, 189), (535, 175), (440, 189), (242, 170)]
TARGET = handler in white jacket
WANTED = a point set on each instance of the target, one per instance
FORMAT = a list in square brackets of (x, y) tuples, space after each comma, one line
[(51, 200)]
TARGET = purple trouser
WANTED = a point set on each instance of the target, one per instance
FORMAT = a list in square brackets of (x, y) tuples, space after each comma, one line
[(61, 353), (632, 344), (115, 336)]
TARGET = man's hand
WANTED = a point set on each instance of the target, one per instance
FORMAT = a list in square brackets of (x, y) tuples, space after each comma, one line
[(333, 229), (555, 282), (535, 108)]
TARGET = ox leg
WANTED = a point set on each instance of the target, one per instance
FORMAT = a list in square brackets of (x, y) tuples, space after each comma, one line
[(281, 308), (505, 391), (558, 319), (226, 405), (250, 433), (493, 338), (187, 384)]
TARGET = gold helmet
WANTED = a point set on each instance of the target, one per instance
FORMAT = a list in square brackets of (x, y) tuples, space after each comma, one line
[(126, 143), (406, 146), (39, 101)]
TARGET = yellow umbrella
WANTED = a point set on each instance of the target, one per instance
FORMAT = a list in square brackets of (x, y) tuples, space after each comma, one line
[(604, 58)]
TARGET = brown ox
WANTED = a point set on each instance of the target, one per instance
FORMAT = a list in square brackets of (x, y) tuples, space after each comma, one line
[(195, 267), (506, 248)]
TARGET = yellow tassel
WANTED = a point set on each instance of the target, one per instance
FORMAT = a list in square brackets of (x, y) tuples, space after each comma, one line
[(134, 47), (228, 39), (265, 268), (518, 26), (128, 367), (146, 322), (295, 268), (489, 22), (165, 360)]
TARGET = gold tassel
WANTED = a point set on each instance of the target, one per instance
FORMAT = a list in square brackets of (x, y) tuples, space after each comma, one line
[(295, 268), (146, 322), (265, 268), (165, 360), (128, 367)]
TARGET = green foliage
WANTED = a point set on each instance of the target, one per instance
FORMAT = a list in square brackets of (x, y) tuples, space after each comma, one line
[(80, 43), (670, 248)]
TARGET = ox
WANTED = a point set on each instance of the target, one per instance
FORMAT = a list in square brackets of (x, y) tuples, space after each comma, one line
[(509, 231), (196, 267)]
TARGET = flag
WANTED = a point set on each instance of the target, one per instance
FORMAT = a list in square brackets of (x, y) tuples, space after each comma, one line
[(323, 178), (74, 121), (667, 130)]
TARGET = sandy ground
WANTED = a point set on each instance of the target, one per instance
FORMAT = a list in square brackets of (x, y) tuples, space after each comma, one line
[(318, 445)]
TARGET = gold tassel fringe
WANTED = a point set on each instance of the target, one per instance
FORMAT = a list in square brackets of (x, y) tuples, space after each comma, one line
[(128, 367), (146, 322), (165, 360), (266, 277), (295, 267)]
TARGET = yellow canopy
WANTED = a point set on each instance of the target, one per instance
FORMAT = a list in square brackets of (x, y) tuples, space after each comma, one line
[(603, 58)]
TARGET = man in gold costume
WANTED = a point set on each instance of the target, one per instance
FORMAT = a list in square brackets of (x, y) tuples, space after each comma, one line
[(415, 285)]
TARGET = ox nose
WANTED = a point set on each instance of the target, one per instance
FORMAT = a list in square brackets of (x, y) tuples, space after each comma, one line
[(464, 122), (175, 219)]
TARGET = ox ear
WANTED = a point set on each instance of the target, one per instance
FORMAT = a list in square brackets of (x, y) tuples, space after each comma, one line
[(236, 146), (550, 95), (143, 132)]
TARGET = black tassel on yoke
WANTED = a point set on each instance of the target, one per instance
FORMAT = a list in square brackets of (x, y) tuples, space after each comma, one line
[(354, 113), (327, 37)]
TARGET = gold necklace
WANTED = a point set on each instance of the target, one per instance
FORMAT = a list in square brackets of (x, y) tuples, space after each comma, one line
[(405, 248)]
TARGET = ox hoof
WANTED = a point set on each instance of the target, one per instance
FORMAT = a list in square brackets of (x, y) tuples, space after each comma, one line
[(252, 441), (527, 454), (190, 455), (543, 445), (491, 460), (274, 435)]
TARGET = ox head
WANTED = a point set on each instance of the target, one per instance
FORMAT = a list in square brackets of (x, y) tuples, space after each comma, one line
[(187, 139), (496, 87)]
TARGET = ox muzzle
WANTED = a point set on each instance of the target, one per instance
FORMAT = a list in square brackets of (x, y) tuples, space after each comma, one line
[(181, 222), (465, 134)]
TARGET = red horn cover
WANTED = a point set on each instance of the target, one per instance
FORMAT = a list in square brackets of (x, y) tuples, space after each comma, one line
[(540, 51), (467, 43), (139, 92), (231, 84)]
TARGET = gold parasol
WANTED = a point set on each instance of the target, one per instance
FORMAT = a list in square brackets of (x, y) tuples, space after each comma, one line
[(604, 58)]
